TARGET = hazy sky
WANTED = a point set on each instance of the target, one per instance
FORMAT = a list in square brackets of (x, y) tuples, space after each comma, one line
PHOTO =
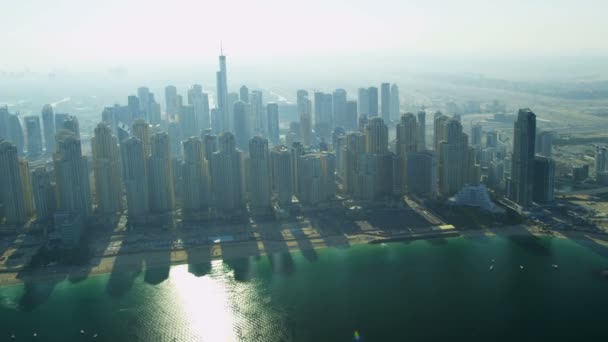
[(71, 33)]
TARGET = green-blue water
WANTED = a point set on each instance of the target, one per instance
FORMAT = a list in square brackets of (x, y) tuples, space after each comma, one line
[(418, 291)]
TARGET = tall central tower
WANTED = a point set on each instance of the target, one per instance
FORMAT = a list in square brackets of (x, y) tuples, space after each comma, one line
[(222, 96)]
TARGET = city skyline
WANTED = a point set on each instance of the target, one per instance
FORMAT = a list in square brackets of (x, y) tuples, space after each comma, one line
[(303, 171), (236, 167)]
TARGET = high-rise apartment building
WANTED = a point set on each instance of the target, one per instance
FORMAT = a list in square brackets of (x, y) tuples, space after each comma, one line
[(227, 174), (135, 177), (107, 170), (48, 123), (258, 183), (13, 193), (385, 101), (71, 175), (33, 132), (282, 183), (522, 171), (160, 174), (272, 114)]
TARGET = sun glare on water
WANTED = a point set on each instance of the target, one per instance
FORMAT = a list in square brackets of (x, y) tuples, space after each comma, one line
[(204, 302)]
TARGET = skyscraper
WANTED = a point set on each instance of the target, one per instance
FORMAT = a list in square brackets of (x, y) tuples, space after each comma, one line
[(351, 119), (407, 142), (171, 102), (187, 122), (134, 108), (33, 132), (209, 145), (135, 177), (297, 150), (305, 113), (231, 100), (492, 139), (195, 177), (142, 130), (544, 143), (144, 97), (363, 101), (175, 139), (395, 104), (106, 169), (439, 121), (72, 175), (13, 194), (421, 130), (282, 183), (454, 159), (355, 147), (317, 178), (216, 121), (323, 114), (14, 132), (372, 93), (242, 128), (244, 94), (227, 174), (272, 113), (340, 108), (376, 136), (48, 122), (160, 174), (407, 134), (544, 179), (522, 171), (601, 159), (222, 96), (422, 174), (43, 193), (4, 122), (200, 104), (476, 134), (60, 118), (385, 103), (258, 122), (259, 173), (71, 124)]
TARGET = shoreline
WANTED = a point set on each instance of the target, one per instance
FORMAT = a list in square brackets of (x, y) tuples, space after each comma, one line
[(138, 261)]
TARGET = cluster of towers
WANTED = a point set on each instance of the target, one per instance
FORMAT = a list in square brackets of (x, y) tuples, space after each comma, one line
[(233, 158)]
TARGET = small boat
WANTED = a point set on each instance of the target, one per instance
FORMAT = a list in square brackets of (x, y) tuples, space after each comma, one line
[(521, 267), (554, 266), (35, 334), (95, 336), (13, 336), (81, 331), (491, 267)]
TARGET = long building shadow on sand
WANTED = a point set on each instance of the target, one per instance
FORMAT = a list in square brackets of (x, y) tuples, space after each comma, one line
[(198, 255), (241, 255), (96, 240), (125, 269)]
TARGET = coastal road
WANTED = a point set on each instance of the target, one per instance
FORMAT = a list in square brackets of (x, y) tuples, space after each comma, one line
[(424, 212), (595, 191)]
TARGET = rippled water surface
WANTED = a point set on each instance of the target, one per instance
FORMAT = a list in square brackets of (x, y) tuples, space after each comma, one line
[(418, 291)]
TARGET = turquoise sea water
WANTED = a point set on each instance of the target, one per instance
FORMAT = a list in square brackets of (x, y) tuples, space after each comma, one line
[(419, 291)]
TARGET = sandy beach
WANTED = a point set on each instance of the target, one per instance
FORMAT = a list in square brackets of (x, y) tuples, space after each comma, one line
[(133, 262)]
